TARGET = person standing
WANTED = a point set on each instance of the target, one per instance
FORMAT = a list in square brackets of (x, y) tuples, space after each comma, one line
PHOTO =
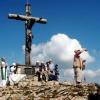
[(83, 68), (56, 71), (78, 65), (3, 66), (83, 63), (3, 69), (39, 72), (51, 66)]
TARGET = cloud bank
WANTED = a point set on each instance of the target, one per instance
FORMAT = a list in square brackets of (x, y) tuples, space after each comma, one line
[(90, 75), (60, 48)]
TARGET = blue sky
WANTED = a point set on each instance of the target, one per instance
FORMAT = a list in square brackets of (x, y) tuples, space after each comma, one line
[(79, 19)]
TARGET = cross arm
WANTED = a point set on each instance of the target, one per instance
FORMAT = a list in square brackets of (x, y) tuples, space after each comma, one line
[(24, 18)]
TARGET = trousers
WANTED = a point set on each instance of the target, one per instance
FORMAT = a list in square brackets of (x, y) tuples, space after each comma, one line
[(78, 74)]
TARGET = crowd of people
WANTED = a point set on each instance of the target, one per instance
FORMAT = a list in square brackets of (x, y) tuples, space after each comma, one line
[(47, 71), (8, 73), (44, 71)]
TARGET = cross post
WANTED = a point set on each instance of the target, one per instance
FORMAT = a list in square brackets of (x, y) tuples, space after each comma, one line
[(29, 22)]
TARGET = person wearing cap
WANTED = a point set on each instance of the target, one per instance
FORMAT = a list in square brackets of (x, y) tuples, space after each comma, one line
[(13, 68), (77, 65)]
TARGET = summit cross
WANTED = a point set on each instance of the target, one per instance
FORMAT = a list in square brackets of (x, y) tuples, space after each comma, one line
[(29, 22)]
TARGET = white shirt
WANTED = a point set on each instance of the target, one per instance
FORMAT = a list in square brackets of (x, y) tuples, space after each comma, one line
[(51, 66), (12, 69)]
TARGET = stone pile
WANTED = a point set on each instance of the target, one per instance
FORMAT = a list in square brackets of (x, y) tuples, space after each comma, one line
[(31, 89)]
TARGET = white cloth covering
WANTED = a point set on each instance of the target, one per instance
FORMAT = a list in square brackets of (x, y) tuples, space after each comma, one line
[(15, 78)]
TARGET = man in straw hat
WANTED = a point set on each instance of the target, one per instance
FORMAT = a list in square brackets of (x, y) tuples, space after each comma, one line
[(77, 65)]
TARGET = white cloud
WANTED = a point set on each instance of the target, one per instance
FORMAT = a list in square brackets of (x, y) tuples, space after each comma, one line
[(96, 52), (90, 75), (69, 72), (60, 49)]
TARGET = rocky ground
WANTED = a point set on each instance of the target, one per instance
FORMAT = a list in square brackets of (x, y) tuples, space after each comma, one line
[(30, 89)]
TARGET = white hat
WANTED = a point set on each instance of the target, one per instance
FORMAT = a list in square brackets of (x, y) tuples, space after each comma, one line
[(50, 60), (14, 64), (37, 61)]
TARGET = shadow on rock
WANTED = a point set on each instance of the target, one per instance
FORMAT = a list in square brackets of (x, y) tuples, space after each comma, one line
[(95, 96)]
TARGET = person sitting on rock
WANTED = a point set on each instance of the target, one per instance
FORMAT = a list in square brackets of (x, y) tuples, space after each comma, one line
[(48, 71), (40, 72), (44, 72), (13, 68), (37, 67), (51, 66)]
